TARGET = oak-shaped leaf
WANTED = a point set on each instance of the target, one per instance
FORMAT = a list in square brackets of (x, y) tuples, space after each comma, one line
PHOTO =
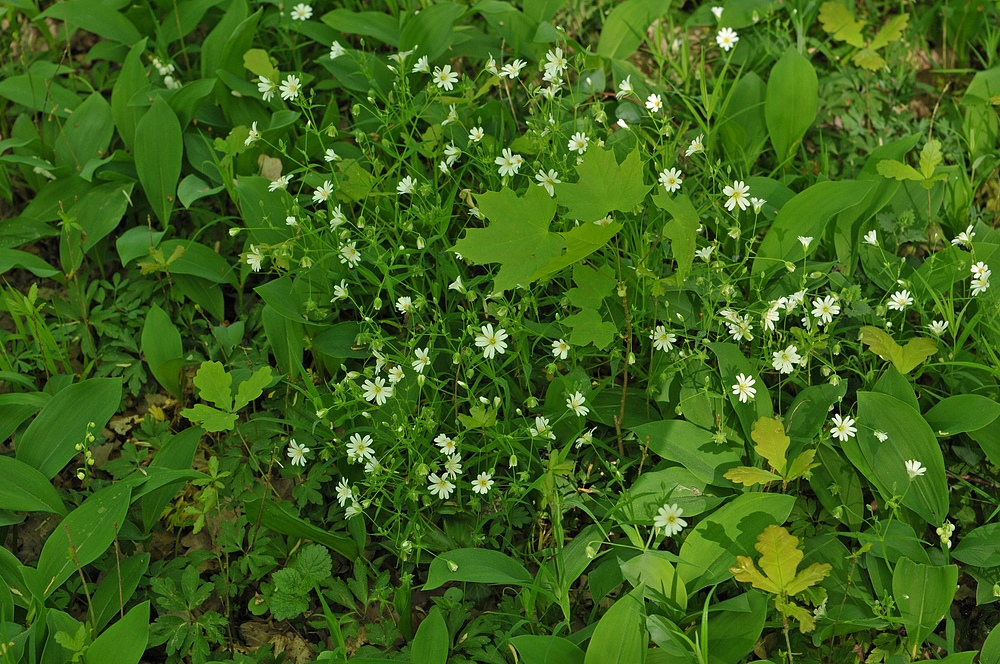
[(904, 358)]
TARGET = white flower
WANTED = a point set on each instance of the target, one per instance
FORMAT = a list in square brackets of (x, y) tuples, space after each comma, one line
[(825, 309), (457, 285), (445, 78), (421, 66), (447, 445), (476, 134), (404, 304), (280, 183), (340, 290), (440, 486), (653, 103), (451, 153), (344, 492), (491, 66), (726, 39), (548, 180), (336, 50), (555, 60), (254, 259), (980, 270), (914, 468), (882, 436), (406, 185), (585, 438), (377, 392), (937, 327), (301, 12), (900, 300), (578, 142), (290, 220), (871, 237), (423, 360), (806, 241), (509, 163), (757, 203), (740, 329), (360, 448), (668, 517), (266, 87), (297, 453), (453, 466), (744, 388), (980, 285), (696, 146), (542, 429), (671, 179), (353, 510), (483, 483), (603, 221), (625, 87), (737, 195), (290, 88), (717, 11), (560, 349), (663, 340), (964, 238), (705, 253), (843, 427), (512, 69), (771, 315), (349, 255), (575, 403), (491, 342), (784, 361), (452, 116), (621, 123), (337, 218), (253, 136), (330, 155), (323, 192)]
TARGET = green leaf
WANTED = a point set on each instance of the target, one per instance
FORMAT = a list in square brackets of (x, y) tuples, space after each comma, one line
[(930, 158), (272, 516), (161, 345), (904, 358), (158, 150), (131, 79), (214, 385), (838, 21), (24, 489), (802, 464), (897, 170), (962, 413), (11, 258), (211, 419), (432, 642), (518, 236), (581, 241), (772, 443), (313, 562), (791, 102), (591, 287), (547, 650), (589, 328), (923, 594), (125, 641), (681, 230), (177, 453), (654, 572), (691, 446), (477, 566), (750, 475), (117, 588), (890, 32), (252, 388), (604, 185), (620, 636), (868, 59), (50, 440), (430, 32), (980, 547), (258, 62), (728, 532), (89, 531), (379, 25), (626, 25), (86, 134)]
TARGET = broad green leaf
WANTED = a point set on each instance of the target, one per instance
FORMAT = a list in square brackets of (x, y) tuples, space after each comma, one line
[(379, 25), (547, 650), (890, 32), (626, 25), (681, 230), (923, 594), (589, 328), (732, 362), (214, 385), (980, 547), (838, 21), (772, 443), (653, 571), (518, 236), (161, 346), (252, 388), (211, 419), (620, 636), (691, 446), (791, 102), (432, 641), (430, 32), (158, 150), (604, 185), (904, 358), (117, 588), (990, 654), (88, 531), (730, 531), (125, 641), (477, 566), (177, 453), (909, 437), (962, 413), (868, 59), (86, 134), (24, 489), (11, 258), (750, 475), (676, 485), (897, 170), (98, 18), (50, 440), (590, 287), (271, 515)]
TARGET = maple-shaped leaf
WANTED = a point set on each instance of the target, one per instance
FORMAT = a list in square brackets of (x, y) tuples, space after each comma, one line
[(518, 236), (581, 241), (904, 358), (682, 230), (588, 327), (838, 21), (772, 443), (604, 185)]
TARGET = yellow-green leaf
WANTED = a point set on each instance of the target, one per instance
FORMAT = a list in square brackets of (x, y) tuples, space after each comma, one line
[(808, 578), (868, 59), (780, 555), (792, 610), (892, 31), (930, 157), (748, 475), (897, 170), (801, 466), (747, 572), (838, 21), (772, 443), (215, 385), (904, 358), (257, 61)]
